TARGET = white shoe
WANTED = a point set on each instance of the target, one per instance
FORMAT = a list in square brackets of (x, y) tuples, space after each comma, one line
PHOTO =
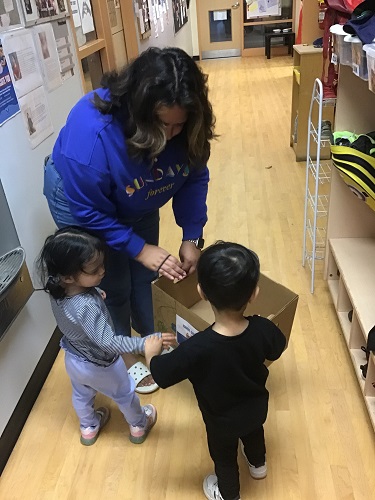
[(211, 488), (255, 472)]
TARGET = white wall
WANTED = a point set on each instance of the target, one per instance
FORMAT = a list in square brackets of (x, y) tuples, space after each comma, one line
[(21, 173)]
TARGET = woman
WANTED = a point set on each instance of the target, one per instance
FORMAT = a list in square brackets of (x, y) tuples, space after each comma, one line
[(126, 150)]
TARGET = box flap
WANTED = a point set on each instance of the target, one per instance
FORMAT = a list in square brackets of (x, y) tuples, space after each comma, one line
[(184, 291)]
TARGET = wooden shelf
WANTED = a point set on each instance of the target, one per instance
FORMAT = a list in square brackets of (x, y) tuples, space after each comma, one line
[(355, 260), (307, 49), (351, 260)]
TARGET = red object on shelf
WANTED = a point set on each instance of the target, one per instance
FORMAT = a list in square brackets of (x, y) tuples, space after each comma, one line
[(299, 32)]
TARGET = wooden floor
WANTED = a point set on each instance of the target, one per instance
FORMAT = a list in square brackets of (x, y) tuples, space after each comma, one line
[(319, 438)]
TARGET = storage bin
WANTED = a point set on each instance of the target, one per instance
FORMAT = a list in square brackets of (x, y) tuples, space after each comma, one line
[(341, 51), (359, 61), (370, 56)]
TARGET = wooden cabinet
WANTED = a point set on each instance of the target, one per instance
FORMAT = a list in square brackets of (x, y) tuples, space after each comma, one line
[(350, 258), (307, 65)]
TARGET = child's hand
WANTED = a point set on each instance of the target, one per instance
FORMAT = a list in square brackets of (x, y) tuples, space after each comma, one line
[(153, 347), (169, 339)]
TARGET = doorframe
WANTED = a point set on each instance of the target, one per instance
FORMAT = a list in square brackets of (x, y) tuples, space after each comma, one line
[(249, 51)]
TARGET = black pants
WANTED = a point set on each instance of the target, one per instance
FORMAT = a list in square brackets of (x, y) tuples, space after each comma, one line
[(223, 450)]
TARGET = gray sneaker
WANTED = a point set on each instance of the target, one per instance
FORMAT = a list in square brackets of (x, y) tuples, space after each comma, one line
[(326, 131)]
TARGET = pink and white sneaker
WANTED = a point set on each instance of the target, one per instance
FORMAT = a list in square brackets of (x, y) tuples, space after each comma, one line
[(89, 435), (139, 434)]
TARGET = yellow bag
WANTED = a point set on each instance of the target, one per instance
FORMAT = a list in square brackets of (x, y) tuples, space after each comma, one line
[(358, 172)]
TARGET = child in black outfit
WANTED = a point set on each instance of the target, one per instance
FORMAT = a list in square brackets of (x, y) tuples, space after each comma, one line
[(225, 364)]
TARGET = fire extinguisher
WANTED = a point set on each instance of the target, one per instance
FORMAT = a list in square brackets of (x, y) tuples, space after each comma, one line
[(322, 12)]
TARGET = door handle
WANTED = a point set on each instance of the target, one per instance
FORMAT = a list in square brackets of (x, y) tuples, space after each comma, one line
[(236, 5)]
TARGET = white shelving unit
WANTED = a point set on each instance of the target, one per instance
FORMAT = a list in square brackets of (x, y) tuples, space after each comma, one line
[(318, 176), (350, 253)]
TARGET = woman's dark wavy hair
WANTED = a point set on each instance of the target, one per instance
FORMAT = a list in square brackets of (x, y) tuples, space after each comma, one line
[(66, 253), (160, 77), (228, 274)]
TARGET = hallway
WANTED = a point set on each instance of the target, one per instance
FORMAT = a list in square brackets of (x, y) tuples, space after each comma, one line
[(320, 443)]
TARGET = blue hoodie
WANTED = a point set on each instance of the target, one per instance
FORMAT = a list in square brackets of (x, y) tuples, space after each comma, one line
[(106, 189)]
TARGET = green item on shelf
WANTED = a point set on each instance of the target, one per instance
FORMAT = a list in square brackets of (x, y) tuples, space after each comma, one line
[(345, 136)]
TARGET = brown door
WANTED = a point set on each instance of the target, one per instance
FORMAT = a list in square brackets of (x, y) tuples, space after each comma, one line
[(219, 28)]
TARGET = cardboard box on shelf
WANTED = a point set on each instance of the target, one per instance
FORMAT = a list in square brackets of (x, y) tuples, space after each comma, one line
[(179, 308)]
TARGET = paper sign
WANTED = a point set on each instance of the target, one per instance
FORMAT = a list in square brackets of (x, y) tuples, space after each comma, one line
[(184, 329)]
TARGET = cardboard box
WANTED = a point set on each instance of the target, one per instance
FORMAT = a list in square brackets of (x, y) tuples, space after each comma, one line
[(179, 308)]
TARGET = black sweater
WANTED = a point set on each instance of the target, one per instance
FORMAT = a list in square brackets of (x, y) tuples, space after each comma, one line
[(228, 373)]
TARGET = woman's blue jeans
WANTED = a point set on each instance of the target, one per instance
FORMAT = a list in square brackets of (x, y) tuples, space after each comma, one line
[(127, 283)]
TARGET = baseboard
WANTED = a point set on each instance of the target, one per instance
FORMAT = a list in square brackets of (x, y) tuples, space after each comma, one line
[(196, 58), (19, 416)]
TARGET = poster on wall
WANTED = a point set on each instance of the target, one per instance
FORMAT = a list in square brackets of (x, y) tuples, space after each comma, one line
[(8, 101), (22, 61), (143, 18), (75, 13), (262, 8), (36, 116), (87, 19), (180, 17), (159, 15), (9, 15), (48, 56), (36, 11)]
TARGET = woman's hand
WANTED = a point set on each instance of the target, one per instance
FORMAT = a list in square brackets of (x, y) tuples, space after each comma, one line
[(189, 255), (153, 347), (158, 259)]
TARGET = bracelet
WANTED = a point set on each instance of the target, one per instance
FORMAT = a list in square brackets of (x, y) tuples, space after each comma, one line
[(161, 265)]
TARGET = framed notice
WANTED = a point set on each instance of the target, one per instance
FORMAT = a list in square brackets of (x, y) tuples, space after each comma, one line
[(10, 17), (180, 17), (41, 11), (143, 18)]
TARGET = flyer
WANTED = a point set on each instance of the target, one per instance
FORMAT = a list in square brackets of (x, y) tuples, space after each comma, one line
[(9, 15), (48, 55), (8, 101), (20, 52), (36, 116)]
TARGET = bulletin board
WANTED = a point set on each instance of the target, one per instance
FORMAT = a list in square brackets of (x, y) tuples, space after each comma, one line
[(262, 8)]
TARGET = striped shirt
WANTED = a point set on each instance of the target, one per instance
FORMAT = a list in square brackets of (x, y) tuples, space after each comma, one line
[(88, 330)]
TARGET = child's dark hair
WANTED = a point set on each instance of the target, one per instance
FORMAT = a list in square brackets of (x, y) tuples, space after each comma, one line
[(65, 253), (228, 274)]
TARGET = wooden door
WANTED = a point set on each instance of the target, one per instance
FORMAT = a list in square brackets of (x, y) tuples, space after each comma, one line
[(219, 28)]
